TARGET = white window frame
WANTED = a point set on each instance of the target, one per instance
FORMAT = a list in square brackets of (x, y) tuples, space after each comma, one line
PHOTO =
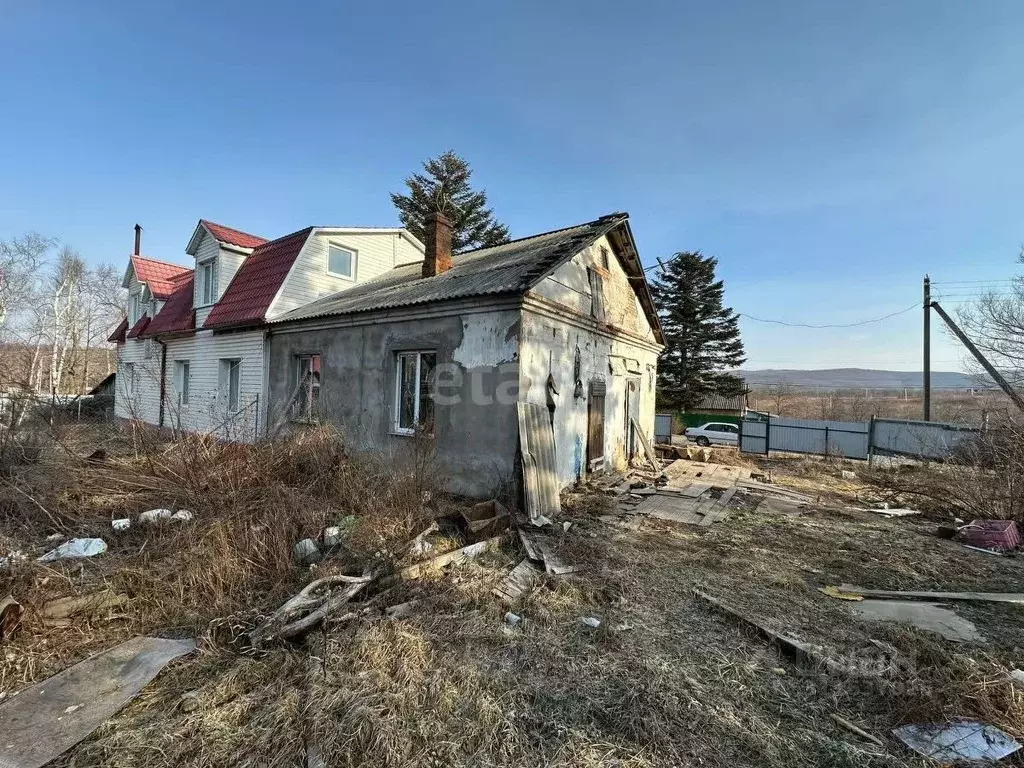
[(134, 308), (208, 286), (128, 370), (343, 247), (396, 422), (224, 377), (182, 380)]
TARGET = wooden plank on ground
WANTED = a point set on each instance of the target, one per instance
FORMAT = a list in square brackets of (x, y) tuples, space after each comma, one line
[(1016, 598), (646, 445), (696, 490), (519, 582), (725, 498)]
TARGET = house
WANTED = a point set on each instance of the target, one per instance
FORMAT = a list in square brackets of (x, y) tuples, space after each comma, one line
[(428, 346), (716, 407), (191, 350)]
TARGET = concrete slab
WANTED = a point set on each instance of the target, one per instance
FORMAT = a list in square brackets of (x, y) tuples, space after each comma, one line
[(931, 617)]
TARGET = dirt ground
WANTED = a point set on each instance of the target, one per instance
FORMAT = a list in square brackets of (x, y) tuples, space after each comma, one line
[(664, 680)]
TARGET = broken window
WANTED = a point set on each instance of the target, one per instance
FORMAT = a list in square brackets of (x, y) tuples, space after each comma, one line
[(414, 392), (596, 294), (307, 386)]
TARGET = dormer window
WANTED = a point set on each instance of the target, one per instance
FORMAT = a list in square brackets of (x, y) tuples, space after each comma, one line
[(208, 281), (341, 261)]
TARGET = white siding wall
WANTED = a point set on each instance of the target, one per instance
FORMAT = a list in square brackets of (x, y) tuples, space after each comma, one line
[(143, 403), (376, 253), (228, 262), (206, 409)]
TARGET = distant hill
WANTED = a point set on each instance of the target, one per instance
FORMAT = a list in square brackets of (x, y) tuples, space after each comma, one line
[(839, 378)]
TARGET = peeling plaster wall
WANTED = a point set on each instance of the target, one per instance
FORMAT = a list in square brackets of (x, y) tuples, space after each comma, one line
[(476, 428), (550, 336), (549, 346)]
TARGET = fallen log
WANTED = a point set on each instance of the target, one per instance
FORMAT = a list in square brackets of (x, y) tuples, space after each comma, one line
[(287, 623)]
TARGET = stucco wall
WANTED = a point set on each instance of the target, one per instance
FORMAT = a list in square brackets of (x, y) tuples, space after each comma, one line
[(548, 346), (476, 427)]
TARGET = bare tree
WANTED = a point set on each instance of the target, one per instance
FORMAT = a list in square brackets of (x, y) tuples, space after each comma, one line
[(21, 261)]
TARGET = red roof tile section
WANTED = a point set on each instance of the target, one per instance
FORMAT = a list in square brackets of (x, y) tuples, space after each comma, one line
[(233, 236), (177, 314), (248, 296), (139, 327), (158, 275), (118, 335)]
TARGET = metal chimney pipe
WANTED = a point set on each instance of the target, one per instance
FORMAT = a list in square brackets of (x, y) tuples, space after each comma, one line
[(138, 240)]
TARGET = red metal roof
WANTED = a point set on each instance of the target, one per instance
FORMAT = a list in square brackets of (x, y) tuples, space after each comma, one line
[(233, 236), (158, 275), (257, 282), (139, 327), (118, 335), (177, 314)]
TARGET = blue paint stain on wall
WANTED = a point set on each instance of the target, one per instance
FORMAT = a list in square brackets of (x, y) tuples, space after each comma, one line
[(578, 457)]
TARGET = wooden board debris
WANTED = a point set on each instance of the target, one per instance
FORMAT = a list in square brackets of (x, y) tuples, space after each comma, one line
[(1017, 598), (652, 458), (540, 472), (519, 582), (457, 555)]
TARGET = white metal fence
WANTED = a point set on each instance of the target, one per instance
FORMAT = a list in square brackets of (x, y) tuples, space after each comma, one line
[(854, 439)]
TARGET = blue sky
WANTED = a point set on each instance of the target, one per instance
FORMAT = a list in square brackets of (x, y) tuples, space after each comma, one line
[(829, 154)]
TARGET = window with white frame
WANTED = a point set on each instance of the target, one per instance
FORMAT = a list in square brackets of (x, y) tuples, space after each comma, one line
[(208, 281), (127, 376), (307, 386), (134, 307), (181, 381), (230, 382), (414, 392), (341, 261)]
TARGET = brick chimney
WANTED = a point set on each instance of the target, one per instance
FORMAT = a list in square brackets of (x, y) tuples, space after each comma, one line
[(138, 240), (438, 257)]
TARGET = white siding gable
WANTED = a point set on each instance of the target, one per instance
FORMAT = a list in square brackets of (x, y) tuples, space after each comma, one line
[(375, 254), (226, 263)]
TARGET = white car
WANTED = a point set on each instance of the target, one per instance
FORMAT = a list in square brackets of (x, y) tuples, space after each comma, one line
[(719, 432)]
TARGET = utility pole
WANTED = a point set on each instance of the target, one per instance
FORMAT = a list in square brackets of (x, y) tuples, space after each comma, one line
[(989, 368), (927, 349)]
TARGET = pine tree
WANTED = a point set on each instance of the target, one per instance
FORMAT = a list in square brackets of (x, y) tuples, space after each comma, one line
[(445, 188), (702, 337)]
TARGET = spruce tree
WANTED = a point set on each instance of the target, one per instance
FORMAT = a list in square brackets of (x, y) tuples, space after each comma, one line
[(444, 188), (702, 337)]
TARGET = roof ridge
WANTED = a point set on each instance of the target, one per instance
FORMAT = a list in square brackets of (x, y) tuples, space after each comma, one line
[(618, 215), (161, 261), (276, 240), (208, 222)]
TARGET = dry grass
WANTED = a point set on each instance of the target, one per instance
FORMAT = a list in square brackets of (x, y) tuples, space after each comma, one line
[(664, 680)]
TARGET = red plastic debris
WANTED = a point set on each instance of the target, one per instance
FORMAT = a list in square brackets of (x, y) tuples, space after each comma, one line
[(1000, 535)]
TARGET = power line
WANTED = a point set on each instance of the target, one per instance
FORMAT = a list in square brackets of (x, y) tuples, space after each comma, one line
[(831, 325)]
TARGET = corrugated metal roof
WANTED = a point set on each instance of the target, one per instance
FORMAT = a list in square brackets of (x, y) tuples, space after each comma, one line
[(251, 292), (177, 314), (233, 236), (158, 275), (718, 402), (510, 268)]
